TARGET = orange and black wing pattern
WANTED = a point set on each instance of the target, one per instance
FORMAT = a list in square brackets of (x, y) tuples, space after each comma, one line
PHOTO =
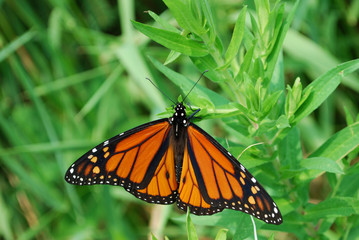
[(212, 179), (140, 160)]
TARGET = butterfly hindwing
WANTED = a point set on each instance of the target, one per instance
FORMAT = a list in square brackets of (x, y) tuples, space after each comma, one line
[(161, 178), (140, 160), (215, 180)]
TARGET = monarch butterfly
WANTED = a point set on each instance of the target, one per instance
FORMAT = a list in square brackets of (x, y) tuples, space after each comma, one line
[(173, 160)]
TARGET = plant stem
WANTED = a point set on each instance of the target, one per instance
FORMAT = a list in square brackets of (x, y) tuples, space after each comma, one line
[(232, 88)]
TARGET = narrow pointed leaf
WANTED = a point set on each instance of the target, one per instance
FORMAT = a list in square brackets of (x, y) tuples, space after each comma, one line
[(340, 144), (323, 86), (173, 41), (237, 36)]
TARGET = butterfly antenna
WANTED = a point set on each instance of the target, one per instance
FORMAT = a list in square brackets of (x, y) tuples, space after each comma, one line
[(160, 90), (195, 84)]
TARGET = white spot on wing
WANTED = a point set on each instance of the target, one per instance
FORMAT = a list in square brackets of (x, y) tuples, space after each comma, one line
[(94, 150), (105, 143), (71, 170), (253, 180)]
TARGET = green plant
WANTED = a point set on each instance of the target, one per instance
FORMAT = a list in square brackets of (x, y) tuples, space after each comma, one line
[(73, 74), (250, 74)]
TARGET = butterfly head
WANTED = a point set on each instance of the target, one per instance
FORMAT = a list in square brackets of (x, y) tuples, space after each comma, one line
[(179, 117)]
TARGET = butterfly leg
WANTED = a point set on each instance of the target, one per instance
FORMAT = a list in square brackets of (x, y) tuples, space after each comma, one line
[(195, 112)]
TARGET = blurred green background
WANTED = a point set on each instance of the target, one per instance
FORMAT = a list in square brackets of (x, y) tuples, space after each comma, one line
[(72, 74)]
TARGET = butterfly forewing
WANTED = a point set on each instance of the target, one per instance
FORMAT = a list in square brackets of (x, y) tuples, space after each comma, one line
[(224, 182), (135, 159)]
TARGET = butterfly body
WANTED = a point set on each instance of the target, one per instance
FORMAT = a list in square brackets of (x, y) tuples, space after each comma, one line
[(173, 160), (177, 135)]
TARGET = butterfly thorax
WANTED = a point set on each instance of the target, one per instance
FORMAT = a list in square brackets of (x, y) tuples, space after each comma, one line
[(180, 123), (179, 119)]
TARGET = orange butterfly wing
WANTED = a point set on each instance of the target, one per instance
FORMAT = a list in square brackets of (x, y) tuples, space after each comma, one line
[(212, 179), (189, 192), (140, 160)]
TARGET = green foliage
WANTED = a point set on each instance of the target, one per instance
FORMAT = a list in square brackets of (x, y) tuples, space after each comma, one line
[(222, 234), (72, 76), (191, 230)]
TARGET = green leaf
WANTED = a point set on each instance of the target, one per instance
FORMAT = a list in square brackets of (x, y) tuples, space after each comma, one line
[(218, 45), (222, 234), (297, 90), (270, 102), (205, 63), (348, 116), (348, 186), (17, 43), (282, 122), (258, 69), (305, 95), (290, 150), (100, 92), (273, 27), (255, 29), (249, 91), (173, 41), (184, 16), (237, 36), (316, 58), (322, 164), (5, 219), (191, 230), (228, 110), (277, 47), (172, 56), (332, 208), (165, 24), (249, 38), (153, 237), (200, 94), (235, 221), (290, 104), (323, 86), (262, 8), (248, 59), (340, 144), (206, 9)]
